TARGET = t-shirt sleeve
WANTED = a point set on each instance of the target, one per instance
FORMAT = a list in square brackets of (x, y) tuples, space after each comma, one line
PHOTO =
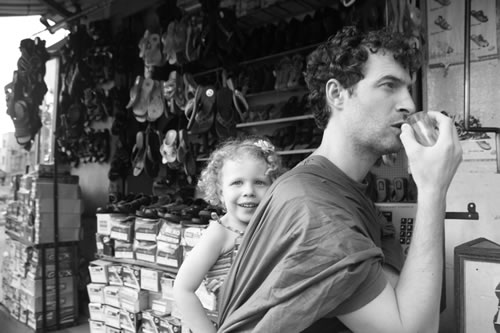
[(374, 284)]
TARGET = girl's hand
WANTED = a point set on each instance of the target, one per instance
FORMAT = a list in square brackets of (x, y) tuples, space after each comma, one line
[(433, 167)]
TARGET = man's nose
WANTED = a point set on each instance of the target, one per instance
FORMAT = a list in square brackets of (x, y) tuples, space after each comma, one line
[(406, 103)]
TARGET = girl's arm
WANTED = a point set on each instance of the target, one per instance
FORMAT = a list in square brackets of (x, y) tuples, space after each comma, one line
[(191, 274)]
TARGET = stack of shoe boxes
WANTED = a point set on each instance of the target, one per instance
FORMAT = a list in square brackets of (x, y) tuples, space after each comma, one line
[(131, 282), (22, 284), (30, 231), (38, 196)]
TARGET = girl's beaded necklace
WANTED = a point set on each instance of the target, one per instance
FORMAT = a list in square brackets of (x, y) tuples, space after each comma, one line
[(216, 218)]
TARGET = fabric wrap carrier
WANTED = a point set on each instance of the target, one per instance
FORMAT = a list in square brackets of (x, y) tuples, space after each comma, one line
[(294, 266)]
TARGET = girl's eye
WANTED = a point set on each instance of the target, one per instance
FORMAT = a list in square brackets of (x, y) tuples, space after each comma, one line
[(237, 182), (260, 182)]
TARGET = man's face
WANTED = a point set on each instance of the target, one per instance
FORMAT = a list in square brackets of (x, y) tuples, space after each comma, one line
[(378, 106)]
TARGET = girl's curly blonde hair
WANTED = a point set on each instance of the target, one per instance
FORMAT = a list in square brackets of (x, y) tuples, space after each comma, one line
[(232, 149)]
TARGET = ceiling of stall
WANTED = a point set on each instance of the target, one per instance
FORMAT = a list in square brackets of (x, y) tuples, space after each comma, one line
[(58, 10)]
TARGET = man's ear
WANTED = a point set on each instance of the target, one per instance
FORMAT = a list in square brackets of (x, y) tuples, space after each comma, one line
[(334, 93)]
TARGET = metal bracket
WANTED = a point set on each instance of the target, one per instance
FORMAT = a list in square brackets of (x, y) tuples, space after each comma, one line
[(471, 214)]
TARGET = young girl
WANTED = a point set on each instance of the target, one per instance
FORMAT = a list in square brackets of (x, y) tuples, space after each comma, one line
[(236, 178)]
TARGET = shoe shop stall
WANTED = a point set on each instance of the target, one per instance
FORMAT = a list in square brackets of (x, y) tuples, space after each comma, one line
[(123, 113)]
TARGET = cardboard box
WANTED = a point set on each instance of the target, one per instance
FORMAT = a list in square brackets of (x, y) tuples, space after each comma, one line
[(150, 279), (35, 304), (115, 275), (67, 315), (45, 189), (106, 220), (151, 321), (131, 277), (167, 285), (130, 321), (96, 292), (71, 206), (96, 311), (146, 229), (33, 286), (133, 300), (123, 230), (170, 232), (111, 296), (169, 254), (145, 250), (112, 316), (124, 250), (98, 270), (65, 220), (39, 235), (97, 326)]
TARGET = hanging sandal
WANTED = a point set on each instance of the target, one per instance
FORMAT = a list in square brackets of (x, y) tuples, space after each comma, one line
[(138, 154), (441, 22), (168, 148), (479, 15)]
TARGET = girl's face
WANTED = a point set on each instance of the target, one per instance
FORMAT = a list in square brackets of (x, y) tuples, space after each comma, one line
[(243, 185)]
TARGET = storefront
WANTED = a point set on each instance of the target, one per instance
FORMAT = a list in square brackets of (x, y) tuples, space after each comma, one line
[(139, 95)]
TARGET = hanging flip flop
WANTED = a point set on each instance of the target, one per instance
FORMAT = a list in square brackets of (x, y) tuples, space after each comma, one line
[(202, 116), (138, 154), (153, 156), (140, 109), (168, 148), (156, 106), (239, 100), (135, 91)]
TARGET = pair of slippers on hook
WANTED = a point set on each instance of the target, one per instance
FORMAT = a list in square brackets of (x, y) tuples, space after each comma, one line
[(146, 152), (146, 100), (176, 152)]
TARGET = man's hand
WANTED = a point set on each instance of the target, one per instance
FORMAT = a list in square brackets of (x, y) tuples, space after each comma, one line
[(433, 167)]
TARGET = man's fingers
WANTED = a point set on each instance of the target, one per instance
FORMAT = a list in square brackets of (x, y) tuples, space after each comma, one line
[(407, 137)]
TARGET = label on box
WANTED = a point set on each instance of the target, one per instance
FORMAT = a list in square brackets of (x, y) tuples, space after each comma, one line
[(103, 224), (150, 280)]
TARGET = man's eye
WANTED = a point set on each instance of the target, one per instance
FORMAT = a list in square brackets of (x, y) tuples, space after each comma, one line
[(390, 85)]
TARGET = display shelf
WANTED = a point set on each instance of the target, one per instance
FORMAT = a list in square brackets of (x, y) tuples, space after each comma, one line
[(275, 93), (141, 263), (274, 121), (261, 59)]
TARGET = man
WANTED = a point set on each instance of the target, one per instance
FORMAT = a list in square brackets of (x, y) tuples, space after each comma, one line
[(317, 256)]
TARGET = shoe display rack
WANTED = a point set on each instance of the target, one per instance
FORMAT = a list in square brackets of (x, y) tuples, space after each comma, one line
[(40, 266), (138, 255)]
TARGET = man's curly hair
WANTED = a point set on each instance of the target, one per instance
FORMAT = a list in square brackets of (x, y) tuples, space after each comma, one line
[(343, 57), (256, 147)]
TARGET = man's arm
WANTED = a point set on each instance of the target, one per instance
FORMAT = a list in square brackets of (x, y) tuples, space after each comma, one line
[(413, 304)]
